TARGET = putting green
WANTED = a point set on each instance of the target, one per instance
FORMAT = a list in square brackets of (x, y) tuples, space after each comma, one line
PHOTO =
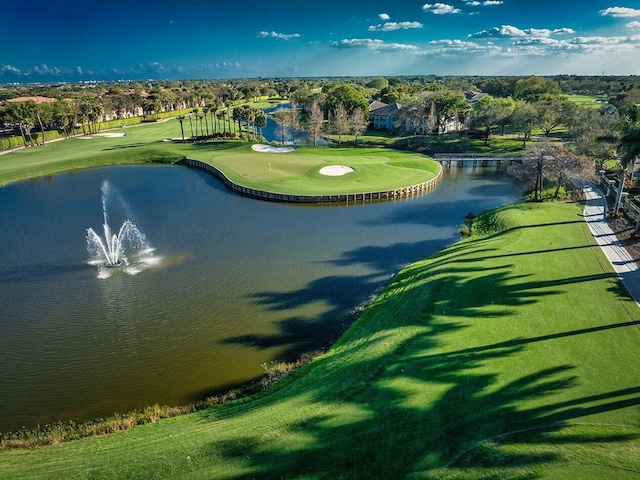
[(299, 172)]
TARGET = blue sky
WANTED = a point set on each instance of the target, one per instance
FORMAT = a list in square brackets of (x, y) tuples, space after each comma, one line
[(73, 40)]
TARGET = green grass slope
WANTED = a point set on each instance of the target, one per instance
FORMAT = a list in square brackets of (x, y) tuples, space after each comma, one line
[(509, 355)]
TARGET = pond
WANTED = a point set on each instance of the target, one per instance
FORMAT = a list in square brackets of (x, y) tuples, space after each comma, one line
[(237, 282), (273, 131)]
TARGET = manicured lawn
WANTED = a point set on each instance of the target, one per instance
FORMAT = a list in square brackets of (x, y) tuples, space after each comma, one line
[(588, 101), (509, 355), (298, 172), (293, 173)]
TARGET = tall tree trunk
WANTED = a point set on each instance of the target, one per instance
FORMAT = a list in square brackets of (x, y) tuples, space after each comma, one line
[(24, 135), (41, 126)]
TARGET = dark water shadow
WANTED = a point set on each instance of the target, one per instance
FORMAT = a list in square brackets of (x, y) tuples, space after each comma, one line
[(30, 273), (124, 146)]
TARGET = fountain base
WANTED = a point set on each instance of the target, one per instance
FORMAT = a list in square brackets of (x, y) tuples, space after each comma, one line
[(113, 265)]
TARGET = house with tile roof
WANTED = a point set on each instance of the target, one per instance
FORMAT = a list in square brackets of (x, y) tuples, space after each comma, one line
[(35, 99)]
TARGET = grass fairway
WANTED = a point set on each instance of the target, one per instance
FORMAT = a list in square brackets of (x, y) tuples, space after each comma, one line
[(289, 173), (510, 355)]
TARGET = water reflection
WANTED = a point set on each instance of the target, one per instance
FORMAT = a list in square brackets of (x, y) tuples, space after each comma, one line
[(273, 131)]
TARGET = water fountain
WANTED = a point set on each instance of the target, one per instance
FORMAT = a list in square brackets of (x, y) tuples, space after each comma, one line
[(127, 248)]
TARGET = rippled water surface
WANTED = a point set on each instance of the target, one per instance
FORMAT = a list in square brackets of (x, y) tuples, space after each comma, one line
[(238, 282)]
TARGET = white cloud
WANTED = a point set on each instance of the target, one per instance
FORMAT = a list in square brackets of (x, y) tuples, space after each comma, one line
[(451, 48), (582, 45), (384, 16), (392, 26), (228, 65), (509, 31), (633, 24), (486, 3), (10, 69), (372, 44), (503, 31), (620, 12), (533, 43), (282, 36), (439, 8), (44, 69)]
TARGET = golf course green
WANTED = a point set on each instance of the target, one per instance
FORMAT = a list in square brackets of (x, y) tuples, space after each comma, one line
[(509, 355)]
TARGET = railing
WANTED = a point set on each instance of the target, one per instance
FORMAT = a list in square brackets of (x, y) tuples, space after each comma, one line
[(461, 159), (626, 204)]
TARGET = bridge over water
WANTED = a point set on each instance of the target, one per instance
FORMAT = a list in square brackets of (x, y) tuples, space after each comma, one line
[(448, 160)]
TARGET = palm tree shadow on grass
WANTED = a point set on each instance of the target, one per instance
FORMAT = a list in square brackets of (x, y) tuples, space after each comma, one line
[(394, 434), (414, 408), (494, 291)]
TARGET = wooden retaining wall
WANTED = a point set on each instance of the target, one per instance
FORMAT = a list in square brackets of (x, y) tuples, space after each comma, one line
[(342, 198)]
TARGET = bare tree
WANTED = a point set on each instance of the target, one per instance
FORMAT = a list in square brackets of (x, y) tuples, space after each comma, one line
[(294, 120), (340, 121), (549, 162), (315, 121), (359, 123), (282, 117)]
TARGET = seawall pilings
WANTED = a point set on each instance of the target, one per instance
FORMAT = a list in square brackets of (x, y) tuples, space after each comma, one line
[(347, 198)]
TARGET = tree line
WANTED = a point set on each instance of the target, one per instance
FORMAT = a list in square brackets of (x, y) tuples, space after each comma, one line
[(430, 106)]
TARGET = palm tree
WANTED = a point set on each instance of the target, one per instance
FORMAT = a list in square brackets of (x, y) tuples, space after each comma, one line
[(238, 115), (191, 126), (260, 120), (83, 115), (220, 116), (250, 117), (181, 118), (62, 117), (213, 110), (200, 116), (195, 111), (205, 110), (14, 114), (41, 110)]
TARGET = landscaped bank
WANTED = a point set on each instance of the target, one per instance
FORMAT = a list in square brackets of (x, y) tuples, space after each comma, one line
[(507, 355)]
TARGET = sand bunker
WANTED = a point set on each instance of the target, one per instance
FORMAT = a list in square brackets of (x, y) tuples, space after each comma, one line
[(271, 149), (335, 170), (111, 135), (106, 135)]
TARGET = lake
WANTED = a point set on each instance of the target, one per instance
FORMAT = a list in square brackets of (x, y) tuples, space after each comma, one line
[(238, 282)]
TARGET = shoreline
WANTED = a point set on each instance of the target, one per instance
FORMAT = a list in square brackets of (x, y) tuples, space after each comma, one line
[(343, 198), (62, 431)]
